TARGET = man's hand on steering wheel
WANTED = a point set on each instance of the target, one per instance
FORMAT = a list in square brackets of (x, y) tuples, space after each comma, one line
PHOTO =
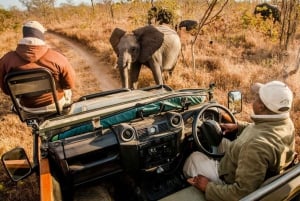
[(228, 128), (208, 133)]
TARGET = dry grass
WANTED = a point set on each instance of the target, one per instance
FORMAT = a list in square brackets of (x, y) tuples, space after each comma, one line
[(234, 52)]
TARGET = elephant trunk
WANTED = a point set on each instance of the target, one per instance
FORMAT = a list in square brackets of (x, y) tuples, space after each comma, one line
[(124, 60), (125, 77), (124, 65)]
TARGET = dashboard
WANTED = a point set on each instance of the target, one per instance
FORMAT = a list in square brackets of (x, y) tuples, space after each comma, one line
[(147, 144), (150, 144)]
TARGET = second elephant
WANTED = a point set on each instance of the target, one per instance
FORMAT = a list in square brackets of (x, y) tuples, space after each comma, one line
[(155, 47), (268, 11)]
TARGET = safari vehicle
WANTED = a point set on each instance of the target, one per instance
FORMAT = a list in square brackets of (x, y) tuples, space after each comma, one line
[(135, 141)]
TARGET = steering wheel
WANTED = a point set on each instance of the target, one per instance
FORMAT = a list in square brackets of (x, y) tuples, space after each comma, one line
[(207, 133)]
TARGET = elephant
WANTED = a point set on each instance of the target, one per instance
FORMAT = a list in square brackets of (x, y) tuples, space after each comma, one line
[(188, 25), (156, 47), (267, 10)]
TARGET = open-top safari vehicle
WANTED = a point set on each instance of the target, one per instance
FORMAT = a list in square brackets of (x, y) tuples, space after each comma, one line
[(134, 140)]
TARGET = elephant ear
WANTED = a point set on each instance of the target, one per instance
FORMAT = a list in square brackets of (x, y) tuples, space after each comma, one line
[(150, 40), (115, 38)]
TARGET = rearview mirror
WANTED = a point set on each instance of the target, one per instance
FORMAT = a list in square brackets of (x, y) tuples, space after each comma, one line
[(235, 102), (16, 164)]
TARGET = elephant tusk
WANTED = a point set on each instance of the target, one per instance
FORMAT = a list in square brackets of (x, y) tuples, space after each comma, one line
[(122, 67), (128, 65)]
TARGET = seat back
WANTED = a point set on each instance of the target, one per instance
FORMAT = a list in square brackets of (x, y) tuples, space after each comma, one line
[(33, 82)]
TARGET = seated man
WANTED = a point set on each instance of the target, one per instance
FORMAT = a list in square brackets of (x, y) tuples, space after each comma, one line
[(32, 52), (262, 149)]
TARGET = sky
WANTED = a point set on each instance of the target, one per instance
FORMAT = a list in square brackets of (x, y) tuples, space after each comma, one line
[(6, 4)]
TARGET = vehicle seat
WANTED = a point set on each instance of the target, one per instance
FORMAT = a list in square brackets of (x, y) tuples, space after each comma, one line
[(190, 193), (31, 82), (284, 186)]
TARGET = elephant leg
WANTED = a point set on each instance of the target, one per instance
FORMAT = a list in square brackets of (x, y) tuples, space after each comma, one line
[(167, 75), (134, 75), (156, 71)]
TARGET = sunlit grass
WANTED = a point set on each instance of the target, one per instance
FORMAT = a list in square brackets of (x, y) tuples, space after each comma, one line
[(233, 52)]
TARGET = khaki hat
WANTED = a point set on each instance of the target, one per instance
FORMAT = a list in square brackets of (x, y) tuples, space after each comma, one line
[(33, 34), (275, 95)]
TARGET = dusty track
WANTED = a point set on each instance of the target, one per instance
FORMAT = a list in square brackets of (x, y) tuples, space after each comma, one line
[(80, 56)]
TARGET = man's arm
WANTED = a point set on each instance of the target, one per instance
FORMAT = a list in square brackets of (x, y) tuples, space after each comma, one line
[(250, 173), (199, 182), (2, 75), (67, 75)]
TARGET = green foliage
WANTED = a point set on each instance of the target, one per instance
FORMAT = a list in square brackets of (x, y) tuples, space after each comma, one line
[(263, 8), (237, 40), (266, 27), (268, 63), (2, 187), (8, 20), (166, 12), (247, 19), (160, 15)]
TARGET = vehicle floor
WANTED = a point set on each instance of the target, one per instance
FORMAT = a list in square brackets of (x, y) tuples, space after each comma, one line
[(124, 187)]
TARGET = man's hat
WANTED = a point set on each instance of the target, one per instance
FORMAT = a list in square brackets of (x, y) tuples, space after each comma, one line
[(33, 34), (275, 95)]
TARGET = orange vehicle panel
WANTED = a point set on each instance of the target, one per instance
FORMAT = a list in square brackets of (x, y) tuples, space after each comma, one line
[(46, 185)]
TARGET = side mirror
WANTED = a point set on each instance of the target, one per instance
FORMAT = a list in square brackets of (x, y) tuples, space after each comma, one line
[(235, 102), (16, 164)]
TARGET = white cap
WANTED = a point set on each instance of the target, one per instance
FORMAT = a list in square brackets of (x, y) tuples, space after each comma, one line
[(33, 34), (275, 95)]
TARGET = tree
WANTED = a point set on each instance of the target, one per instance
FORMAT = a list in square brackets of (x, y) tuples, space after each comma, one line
[(38, 5), (110, 4), (208, 17), (290, 16), (93, 5), (290, 13), (27, 4)]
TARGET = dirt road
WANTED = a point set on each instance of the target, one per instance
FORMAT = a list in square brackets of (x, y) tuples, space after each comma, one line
[(84, 63)]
